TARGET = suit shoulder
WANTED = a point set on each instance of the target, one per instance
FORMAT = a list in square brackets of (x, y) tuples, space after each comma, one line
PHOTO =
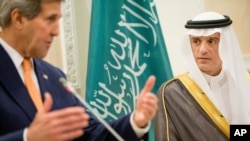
[(173, 84), (47, 66)]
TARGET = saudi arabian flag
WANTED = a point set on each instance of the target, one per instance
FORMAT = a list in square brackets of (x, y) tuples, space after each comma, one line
[(126, 47)]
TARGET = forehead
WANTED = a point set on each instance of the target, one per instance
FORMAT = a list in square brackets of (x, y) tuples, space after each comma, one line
[(214, 35), (51, 8)]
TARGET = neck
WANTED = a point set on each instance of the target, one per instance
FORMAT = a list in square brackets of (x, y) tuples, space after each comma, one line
[(12, 38)]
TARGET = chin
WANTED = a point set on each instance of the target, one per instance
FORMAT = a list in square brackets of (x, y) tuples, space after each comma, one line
[(41, 55), (204, 68)]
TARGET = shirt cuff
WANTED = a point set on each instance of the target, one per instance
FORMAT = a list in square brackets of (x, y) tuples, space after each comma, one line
[(25, 134), (139, 131)]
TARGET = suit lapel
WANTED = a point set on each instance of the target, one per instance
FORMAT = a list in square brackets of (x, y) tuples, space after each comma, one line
[(42, 77), (13, 84)]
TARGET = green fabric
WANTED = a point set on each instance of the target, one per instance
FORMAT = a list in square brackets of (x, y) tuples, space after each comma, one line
[(126, 46)]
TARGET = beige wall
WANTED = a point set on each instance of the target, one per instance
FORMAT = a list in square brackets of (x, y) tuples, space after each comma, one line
[(239, 11), (55, 53), (173, 15)]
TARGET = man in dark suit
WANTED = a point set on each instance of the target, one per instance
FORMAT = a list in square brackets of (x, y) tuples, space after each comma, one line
[(28, 28)]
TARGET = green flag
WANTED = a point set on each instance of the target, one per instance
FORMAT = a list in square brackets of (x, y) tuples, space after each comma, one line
[(126, 47)]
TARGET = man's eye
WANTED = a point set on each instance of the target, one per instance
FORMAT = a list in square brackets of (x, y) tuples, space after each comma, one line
[(213, 42), (196, 41), (51, 18)]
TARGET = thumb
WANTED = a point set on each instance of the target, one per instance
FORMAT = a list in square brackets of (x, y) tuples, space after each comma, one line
[(149, 85), (47, 102)]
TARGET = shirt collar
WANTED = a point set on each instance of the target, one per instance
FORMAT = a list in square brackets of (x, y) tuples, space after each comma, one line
[(14, 55), (217, 80)]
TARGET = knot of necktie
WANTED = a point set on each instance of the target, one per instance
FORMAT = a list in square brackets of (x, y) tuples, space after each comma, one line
[(26, 65)]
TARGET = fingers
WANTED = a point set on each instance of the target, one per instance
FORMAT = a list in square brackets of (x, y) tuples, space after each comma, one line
[(146, 104), (64, 124), (69, 116), (149, 106), (69, 122), (145, 111), (47, 102), (62, 113), (70, 125), (149, 85)]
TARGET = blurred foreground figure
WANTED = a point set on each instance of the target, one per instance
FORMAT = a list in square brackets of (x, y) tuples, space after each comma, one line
[(34, 106)]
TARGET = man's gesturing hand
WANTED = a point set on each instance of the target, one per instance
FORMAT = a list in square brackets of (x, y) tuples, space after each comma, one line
[(146, 105), (59, 125)]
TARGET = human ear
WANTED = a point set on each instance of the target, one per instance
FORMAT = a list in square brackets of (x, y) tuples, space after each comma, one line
[(17, 18)]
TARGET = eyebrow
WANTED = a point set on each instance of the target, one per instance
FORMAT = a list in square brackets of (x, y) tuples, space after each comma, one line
[(210, 37)]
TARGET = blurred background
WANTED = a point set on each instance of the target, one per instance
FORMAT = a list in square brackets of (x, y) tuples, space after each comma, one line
[(70, 50)]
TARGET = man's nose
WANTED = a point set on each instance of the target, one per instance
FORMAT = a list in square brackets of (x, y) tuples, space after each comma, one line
[(55, 30), (203, 47)]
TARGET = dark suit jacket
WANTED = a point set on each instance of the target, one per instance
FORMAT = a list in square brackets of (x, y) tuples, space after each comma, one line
[(17, 110)]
